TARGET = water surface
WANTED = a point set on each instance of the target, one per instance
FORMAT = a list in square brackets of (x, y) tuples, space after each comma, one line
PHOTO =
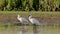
[(42, 29)]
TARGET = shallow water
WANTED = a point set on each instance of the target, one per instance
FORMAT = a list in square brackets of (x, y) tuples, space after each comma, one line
[(42, 29)]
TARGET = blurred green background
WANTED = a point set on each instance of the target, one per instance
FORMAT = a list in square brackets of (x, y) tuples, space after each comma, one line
[(24, 5)]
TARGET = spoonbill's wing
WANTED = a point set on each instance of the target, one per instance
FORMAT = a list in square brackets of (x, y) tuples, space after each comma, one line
[(25, 21), (33, 20)]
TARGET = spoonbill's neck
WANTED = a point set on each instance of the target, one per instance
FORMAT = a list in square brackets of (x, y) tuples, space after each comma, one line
[(30, 17), (18, 16)]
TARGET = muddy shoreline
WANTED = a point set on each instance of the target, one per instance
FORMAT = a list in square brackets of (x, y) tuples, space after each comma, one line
[(55, 19)]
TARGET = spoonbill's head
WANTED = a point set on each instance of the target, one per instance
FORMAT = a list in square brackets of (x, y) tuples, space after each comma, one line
[(30, 16), (19, 15)]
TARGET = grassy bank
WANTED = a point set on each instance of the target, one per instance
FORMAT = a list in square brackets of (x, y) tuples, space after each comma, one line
[(11, 16)]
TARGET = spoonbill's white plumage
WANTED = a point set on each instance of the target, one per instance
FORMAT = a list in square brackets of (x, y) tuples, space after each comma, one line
[(33, 20), (22, 20)]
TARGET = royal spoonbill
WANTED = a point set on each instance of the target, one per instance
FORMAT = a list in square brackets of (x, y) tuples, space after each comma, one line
[(22, 20), (33, 20)]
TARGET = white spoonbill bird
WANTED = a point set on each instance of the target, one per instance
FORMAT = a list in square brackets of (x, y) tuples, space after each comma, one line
[(22, 20), (33, 20)]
